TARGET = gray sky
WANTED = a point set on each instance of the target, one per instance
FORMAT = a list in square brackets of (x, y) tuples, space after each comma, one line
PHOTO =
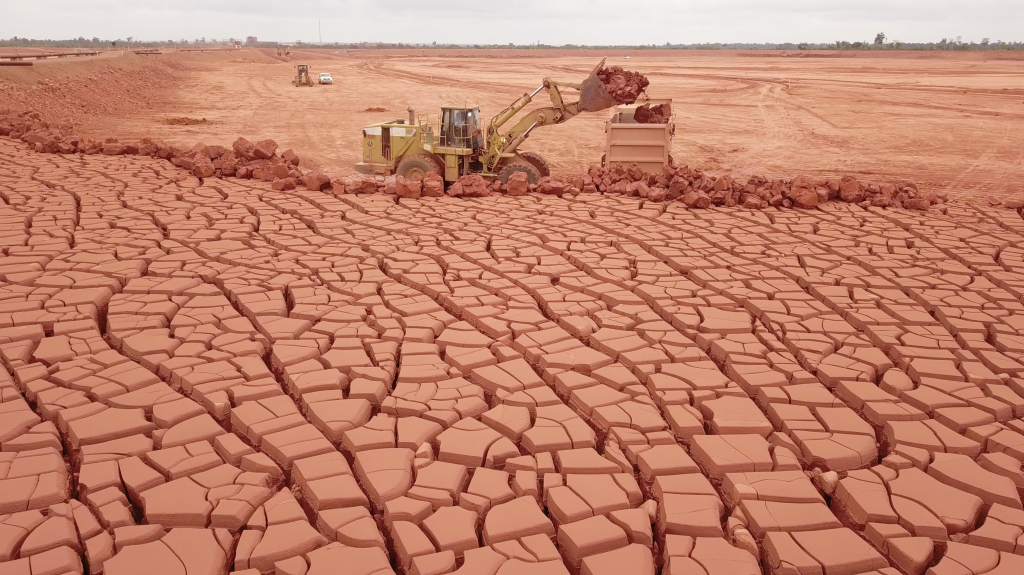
[(519, 21)]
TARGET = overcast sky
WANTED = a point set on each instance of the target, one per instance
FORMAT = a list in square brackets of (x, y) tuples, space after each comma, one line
[(520, 21)]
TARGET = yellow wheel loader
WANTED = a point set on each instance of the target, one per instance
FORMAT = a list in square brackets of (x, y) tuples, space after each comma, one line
[(459, 147), (302, 76)]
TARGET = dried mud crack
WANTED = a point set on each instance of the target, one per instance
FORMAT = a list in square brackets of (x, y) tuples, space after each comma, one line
[(218, 376)]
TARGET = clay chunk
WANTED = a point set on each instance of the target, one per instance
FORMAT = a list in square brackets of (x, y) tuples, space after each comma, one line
[(837, 550), (517, 518)]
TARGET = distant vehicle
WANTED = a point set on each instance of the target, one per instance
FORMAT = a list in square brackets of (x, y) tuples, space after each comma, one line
[(626, 58), (325, 78), (302, 76)]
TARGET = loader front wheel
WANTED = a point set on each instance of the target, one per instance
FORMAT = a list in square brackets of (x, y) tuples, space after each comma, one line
[(532, 175), (416, 167), (538, 162)]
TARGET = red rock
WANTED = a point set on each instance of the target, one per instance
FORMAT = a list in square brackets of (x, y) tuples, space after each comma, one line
[(657, 194), (406, 188), (358, 184), (228, 166), (916, 204), (469, 186), (244, 148), (634, 172), (677, 187), (265, 149), (551, 186), (697, 199), (113, 149), (282, 184), (850, 190), (804, 198), (433, 185), (280, 171), (518, 184), (316, 181), (290, 157), (752, 202), (202, 168)]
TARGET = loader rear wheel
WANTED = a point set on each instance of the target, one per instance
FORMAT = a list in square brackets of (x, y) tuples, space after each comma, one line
[(416, 167), (532, 174), (538, 162)]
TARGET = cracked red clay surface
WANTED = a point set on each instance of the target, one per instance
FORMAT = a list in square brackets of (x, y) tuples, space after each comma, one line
[(211, 376)]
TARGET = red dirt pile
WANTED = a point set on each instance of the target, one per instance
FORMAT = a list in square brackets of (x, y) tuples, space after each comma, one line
[(693, 187), (72, 99), (648, 114), (376, 109), (243, 160), (623, 85), (699, 190), (470, 187), (185, 121)]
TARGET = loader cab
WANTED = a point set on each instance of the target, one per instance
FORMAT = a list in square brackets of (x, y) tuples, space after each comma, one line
[(460, 127)]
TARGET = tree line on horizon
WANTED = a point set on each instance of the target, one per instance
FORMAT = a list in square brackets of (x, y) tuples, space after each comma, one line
[(880, 43)]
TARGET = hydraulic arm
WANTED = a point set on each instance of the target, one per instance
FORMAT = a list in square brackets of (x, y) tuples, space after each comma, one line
[(593, 97)]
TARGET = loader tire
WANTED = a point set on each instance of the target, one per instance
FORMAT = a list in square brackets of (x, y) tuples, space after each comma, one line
[(538, 162), (532, 174), (416, 167)]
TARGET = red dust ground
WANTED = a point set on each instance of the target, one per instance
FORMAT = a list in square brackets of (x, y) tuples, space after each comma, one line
[(219, 376), (953, 123)]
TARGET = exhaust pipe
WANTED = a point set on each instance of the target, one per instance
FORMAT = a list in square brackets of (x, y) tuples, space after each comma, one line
[(412, 116)]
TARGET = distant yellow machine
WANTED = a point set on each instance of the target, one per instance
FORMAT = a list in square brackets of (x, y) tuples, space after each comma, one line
[(411, 148), (302, 76)]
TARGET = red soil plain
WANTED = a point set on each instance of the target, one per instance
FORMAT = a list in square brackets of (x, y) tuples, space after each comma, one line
[(207, 375)]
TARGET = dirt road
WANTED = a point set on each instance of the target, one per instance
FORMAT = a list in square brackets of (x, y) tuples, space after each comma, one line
[(951, 122)]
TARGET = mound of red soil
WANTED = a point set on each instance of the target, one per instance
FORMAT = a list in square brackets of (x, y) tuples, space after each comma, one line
[(623, 85), (648, 114), (376, 109), (184, 121), (75, 98)]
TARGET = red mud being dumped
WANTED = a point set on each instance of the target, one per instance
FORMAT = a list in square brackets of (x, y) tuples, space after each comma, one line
[(623, 85), (648, 114)]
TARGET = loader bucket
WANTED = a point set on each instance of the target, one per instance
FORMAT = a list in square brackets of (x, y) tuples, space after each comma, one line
[(593, 96)]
